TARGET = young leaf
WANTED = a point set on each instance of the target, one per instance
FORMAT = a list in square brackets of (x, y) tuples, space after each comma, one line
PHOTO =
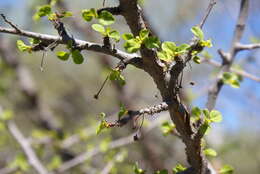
[(215, 116), (197, 32), (210, 152), (103, 124), (123, 111), (77, 57), (163, 55), (116, 75), (138, 170), (22, 46), (65, 14), (88, 15), (152, 42), (99, 28), (20, 162), (196, 59), (127, 36), (144, 34), (196, 112), (55, 163), (167, 128), (114, 35), (178, 168), (62, 55), (106, 18), (169, 47), (204, 128), (132, 46), (226, 169), (206, 113)]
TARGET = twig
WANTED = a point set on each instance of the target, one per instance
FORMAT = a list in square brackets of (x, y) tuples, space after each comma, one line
[(239, 72), (80, 44), (240, 47), (210, 7), (32, 158), (10, 23), (229, 57)]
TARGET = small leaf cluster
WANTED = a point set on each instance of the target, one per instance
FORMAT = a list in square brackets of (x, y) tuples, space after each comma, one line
[(75, 54), (123, 111), (231, 79), (226, 169), (103, 124), (20, 162), (169, 51), (138, 170), (178, 168), (115, 75), (133, 44), (213, 116), (46, 10), (105, 18), (167, 128), (201, 43)]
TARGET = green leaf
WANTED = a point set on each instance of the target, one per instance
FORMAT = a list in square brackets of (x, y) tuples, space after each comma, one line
[(138, 170), (215, 116), (196, 112), (22, 46), (103, 125), (106, 18), (77, 57), (197, 32), (164, 171), (152, 42), (55, 163), (116, 75), (169, 47), (6, 115), (178, 168), (206, 43), (20, 162), (123, 111), (226, 169), (163, 55), (231, 79), (204, 128), (34, 41), (210, 152), (206, 113), (42, 11), (127, 36), (62, 55), (99, 28), (114, 35), (143, 34), (132, 46), (88, 15), (196, 59)]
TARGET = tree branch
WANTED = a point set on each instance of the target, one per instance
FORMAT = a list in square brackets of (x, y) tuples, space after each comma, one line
[(31, 155)]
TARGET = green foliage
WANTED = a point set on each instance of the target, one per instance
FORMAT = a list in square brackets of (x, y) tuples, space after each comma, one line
[(178, 168), (169, 51), (164, 171), (215, 116), (42, 11), (231, 79), (152, 42), (106, 18), (115, 75), (226, 169), (210, 152), (89, 14), (103, 124), (123, 111), (138, 170), (23, 47), (196, 59), (55, 163), (62, 55), (167, 128), (6, 115), (20, 162), (77, 57), (106, 32), (197, 32)]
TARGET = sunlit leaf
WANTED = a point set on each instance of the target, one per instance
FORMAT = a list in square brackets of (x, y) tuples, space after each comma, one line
[(77, 57), (62, 55), (106, 18), (210, 152), (197, 32)]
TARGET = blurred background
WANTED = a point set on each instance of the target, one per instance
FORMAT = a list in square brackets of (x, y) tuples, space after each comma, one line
[(56, 109)]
